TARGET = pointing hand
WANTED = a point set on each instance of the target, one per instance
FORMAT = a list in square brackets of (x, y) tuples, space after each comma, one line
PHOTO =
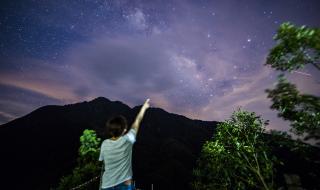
[(146, 104)]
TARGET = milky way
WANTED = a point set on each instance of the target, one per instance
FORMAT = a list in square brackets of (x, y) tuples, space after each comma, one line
[(201, 59)]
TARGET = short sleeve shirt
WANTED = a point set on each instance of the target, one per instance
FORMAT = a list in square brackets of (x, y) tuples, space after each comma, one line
[(117, 158)]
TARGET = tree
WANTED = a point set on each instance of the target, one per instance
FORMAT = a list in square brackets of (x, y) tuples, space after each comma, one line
[(237, 156), (296, 47), (88, 165), (89, 149)]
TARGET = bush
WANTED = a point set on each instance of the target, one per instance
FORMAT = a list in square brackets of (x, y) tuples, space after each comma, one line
[(237, 157), (88, 165)]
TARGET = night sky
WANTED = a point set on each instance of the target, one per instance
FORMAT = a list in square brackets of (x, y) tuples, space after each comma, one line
[(201, 59)]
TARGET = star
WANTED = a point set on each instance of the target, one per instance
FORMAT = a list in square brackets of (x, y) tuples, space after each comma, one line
[(85, 38)]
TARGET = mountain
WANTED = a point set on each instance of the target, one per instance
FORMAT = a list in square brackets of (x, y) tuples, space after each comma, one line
[(37, 149)]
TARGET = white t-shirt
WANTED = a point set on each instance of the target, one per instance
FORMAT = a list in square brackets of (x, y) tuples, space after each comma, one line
[(117, 157)]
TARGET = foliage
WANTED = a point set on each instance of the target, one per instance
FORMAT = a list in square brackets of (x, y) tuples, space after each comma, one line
[(302, 110), (296, 47), (89, 149), (283, 140), (237, 157), (88, 164), (295, 158), (79, 176)]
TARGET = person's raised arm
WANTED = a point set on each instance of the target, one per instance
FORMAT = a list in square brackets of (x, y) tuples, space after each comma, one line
[(136, 123)]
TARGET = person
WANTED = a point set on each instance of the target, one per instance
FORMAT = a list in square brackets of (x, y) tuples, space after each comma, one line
[(116, 152)]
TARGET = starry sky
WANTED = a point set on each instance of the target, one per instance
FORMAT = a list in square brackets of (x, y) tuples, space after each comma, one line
[(201, 59)]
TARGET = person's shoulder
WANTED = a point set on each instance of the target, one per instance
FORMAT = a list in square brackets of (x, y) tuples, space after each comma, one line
[(131, 135), (112, 142), (105, 142)]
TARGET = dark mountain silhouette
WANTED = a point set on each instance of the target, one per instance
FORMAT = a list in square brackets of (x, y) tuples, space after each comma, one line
[(37, 149)]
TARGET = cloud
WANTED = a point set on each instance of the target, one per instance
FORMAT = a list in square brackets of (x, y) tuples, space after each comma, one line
[(123, 67), (137, 19), (41, 78), (197, 83), (307, 80), (187, 61), (248, 95), (16, 102), (4, 117), (34, 84)]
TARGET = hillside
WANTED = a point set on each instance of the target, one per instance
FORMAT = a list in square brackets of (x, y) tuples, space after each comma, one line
[(37, 149)]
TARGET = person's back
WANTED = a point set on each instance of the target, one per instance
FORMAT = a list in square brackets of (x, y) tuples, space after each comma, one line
[(117, 157), (116, 152)]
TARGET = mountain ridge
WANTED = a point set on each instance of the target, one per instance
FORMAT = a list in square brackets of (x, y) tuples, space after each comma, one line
[(47, 139)]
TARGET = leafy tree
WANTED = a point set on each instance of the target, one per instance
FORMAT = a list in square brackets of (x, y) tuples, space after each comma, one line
[(88, 165), (89, 149), (295, 158), (237, 157), (296, 47), (301, 109)]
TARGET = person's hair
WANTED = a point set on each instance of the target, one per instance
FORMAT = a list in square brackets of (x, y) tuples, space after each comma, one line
[(116, 125)]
